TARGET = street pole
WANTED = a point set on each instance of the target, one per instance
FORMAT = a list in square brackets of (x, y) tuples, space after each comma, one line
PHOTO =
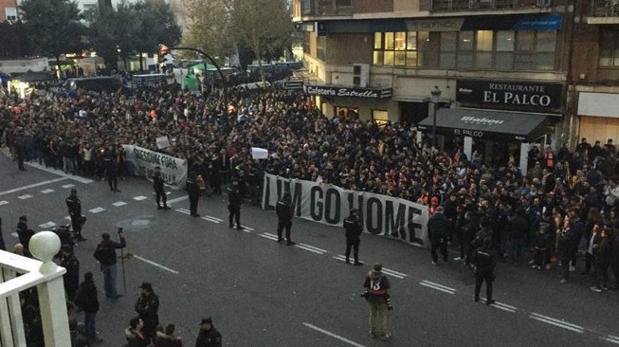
[(436, 94)]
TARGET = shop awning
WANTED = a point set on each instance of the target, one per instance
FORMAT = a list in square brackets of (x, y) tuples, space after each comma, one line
[(486, 124)]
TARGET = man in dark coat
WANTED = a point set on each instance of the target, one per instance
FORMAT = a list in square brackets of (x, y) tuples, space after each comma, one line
[(484, 262), (234, 205), (23, 232), (284, 218), (111, 169), (87, 300), (147, 308), (75, 213), (208, 336), (194, 194), (158, 185), (438, 230), (71, 279), (353, 229), (614, 258)]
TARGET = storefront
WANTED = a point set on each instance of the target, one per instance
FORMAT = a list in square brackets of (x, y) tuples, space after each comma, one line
[(504, 115), (599, 116), (366, 103)]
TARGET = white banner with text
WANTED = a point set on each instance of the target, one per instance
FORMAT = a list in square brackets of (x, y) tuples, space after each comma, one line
[(142, 162)]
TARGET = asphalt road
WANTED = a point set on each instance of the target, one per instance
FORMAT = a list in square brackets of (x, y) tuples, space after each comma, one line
[(260, 293)]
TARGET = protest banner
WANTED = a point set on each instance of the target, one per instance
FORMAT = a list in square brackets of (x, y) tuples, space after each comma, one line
[(142, 162), (328, 204)]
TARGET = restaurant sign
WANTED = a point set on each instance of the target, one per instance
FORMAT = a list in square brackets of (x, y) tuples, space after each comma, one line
[(367, 93), (518, 96)]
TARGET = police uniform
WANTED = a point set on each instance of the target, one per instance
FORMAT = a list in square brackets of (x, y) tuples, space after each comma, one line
[(75, 212), (353, 237), (194, 194), (284, 216), (234, 206), (160, 195), (485, 262), (111, 171)]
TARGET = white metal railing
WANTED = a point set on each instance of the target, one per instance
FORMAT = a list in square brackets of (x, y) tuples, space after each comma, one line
[(19, 273)]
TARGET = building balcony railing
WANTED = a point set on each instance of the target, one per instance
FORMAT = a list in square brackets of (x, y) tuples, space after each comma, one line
[(604, 8), (322, 8), (480, 5), (18, 274)]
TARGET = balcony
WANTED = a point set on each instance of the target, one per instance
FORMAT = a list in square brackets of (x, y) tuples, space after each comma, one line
[(604, 12), (481, 5)]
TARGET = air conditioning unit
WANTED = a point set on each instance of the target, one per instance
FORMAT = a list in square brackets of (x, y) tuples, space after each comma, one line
[(360, 75)]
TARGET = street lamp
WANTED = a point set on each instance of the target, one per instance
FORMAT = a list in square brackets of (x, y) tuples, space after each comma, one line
[(436, 94)]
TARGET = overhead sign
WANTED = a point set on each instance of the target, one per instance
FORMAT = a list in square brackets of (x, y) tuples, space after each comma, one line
[(519, 96), (350, 92), (328, 204)]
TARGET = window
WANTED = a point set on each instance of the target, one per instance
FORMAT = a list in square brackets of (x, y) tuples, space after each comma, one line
[(523, 60), (395, 48), (483, 54), (504, 50), (423, 48), (465, 50), (535, 50), (609, 49), (545, 50), (321, 48), (448, 50), (380, 117)]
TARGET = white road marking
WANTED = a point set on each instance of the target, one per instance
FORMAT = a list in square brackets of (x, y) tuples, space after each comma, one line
[(168, 193), (47, 225), (611, 339), (312, 247), (139, 198), (184, 211), (558, 323), (210, 220), (438, 287), (24, 197), (387, 272), (335, 336), (248, 229), (119, 204), (47, 191), (96, 210), (342, 258), (156, 264), (181, 198), (67, 217), (215, 218), (3, 202), (266, 236), (67, 186), (34, 185), (501, 306), (309, 249), (60, 173), (394, 272), (15, 234)]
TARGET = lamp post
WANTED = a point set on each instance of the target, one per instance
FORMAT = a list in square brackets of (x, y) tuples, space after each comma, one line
[(436, 94)]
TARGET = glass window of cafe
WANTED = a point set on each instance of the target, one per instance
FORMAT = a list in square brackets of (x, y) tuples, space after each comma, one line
[(380, 117), (346, 112)]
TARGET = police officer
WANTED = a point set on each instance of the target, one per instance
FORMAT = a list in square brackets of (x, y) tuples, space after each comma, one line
[(75, 212), (20, 150), (284, 216), (438, 230), (353, 228), (147, 308), (111, 169), (159, 191), (484, 262), (234, 205), (194, 194), (23, 232), (71, 279)]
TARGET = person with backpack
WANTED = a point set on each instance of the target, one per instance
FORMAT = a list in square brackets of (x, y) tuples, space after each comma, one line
[(377, 286), (86, 299), (106, 255), (484, 262)]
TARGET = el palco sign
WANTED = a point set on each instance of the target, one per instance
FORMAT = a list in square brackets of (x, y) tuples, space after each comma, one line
[(520, 96), (348, 92)]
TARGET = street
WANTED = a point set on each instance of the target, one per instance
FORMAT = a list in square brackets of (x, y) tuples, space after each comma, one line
[(261, 293)]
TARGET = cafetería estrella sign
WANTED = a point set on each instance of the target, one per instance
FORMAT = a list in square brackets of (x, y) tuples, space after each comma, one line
[(350, 92), (509, 95)]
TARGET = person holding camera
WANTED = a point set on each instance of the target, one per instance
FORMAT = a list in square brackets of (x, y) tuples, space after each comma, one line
[(353, 228), (105, 253), (75, 213), (284, 218), (377, 286)]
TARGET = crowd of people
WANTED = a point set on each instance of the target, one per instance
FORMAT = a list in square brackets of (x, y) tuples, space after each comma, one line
[(563, 210)]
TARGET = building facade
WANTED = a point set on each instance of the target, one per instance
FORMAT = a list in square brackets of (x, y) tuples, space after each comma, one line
[(8, 10), (504, 59)]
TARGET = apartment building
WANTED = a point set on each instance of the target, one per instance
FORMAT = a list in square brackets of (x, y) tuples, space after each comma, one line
[(501, 66), (8, 10)]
